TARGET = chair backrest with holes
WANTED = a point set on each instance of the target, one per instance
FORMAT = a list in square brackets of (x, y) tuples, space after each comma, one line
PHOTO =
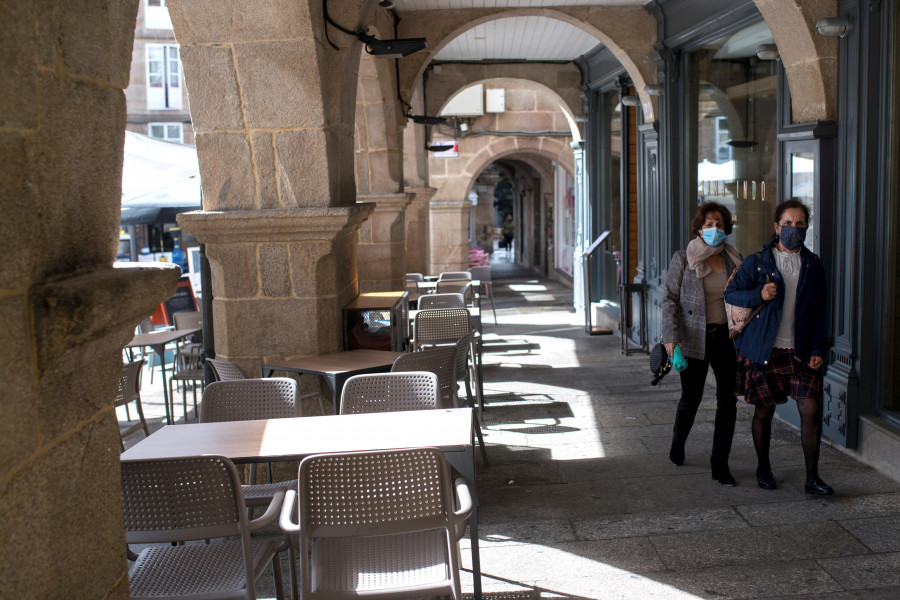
[(250, 399), (130, 383), (180, 499), (455, 276), (432, 301), (225, 370), (441, 361), (390, 392), (441, 327)]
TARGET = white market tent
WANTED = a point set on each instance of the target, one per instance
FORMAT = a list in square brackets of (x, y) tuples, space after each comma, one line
[(159, 180)]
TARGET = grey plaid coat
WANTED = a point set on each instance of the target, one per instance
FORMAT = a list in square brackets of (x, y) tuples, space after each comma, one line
[(684, 306)]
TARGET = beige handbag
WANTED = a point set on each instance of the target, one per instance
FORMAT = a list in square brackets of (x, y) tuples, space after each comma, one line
[(739, 316)]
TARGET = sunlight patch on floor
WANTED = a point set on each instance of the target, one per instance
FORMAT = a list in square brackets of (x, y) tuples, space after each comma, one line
[(554, 571), (525, 287)]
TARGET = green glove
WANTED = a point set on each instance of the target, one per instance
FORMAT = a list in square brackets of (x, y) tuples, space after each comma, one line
[(679, 362)]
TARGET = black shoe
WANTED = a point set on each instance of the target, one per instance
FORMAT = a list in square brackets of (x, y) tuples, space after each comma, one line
[(724, 477), (818, 487), (676, 455), (766, 480)]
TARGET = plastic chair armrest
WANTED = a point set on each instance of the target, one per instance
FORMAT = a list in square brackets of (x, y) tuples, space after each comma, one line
[(271, 512), (288, 509), (465, 500)]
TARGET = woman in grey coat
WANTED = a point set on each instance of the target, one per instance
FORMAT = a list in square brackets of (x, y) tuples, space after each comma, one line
[(693, 313)]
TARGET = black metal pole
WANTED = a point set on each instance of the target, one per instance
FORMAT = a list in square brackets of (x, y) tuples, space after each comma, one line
[(206, 304)]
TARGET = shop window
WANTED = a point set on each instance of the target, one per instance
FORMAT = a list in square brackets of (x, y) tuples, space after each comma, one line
[(172, 132), (163, 77), (732, 104)]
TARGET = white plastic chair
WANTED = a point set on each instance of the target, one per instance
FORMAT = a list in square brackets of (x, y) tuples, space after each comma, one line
[(168, 501), (377, 525), (389, 392)]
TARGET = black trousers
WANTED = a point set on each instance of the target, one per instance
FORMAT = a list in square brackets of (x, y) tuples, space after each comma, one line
[(720, 355)]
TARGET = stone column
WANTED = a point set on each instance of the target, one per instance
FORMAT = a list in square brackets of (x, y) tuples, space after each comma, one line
[(273, 107), (65, 311), (379, 177), (418, 230), (449, 235), (382, 244), (279, 279)]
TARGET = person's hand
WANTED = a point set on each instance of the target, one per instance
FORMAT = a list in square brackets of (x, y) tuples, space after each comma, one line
[(815, 362), (670, 348), (769, 291)]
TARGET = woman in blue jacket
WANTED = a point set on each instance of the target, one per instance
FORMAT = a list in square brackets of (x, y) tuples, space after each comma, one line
[(781, 350)]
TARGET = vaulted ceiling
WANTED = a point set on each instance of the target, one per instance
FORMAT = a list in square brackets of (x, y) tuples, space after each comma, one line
[(514, 38)]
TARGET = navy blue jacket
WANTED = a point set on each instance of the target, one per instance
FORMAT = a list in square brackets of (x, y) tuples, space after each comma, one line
[(810, 313)]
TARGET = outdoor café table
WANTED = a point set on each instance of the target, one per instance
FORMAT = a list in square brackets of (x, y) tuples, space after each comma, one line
[(272, 440), (157, 340), (336, 367)]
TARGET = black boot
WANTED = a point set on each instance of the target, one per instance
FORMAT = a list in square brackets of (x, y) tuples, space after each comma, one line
[(726, 413), (684, 420)]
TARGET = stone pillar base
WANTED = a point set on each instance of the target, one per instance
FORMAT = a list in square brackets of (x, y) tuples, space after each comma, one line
[(449, 235), (382, 243), (280, 278), (418, 249)]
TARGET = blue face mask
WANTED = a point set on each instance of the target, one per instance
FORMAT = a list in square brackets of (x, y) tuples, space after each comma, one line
[(713, 236), (792, 237)]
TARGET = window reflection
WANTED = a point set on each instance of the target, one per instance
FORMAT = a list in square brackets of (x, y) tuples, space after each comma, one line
[(733, 99)]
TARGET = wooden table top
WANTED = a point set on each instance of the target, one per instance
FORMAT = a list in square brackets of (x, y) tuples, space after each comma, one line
[(160, 337), (338, 362), (375, 300), (295, 438)]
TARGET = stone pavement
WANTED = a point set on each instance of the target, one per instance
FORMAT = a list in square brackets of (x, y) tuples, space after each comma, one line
[(581, 501)]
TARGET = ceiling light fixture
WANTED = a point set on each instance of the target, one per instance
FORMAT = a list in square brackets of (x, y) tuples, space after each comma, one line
[(653, 89), (630, 101), (767, 52), (834, 26)]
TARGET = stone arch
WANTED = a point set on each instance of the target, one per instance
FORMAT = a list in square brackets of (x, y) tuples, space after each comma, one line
[(628, 31), (563, 80), (563, 104), (810, 60), (457, 183)]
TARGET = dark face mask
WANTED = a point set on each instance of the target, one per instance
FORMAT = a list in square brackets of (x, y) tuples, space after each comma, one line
[(792, 237)]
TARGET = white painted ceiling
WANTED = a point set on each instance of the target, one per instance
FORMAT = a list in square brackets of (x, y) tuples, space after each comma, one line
[(527, 38), (531, 38)]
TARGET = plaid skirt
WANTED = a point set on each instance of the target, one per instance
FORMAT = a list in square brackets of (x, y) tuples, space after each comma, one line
[(782, 376)]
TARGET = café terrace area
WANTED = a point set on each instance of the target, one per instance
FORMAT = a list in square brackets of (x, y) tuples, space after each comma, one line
[(579, 499)]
